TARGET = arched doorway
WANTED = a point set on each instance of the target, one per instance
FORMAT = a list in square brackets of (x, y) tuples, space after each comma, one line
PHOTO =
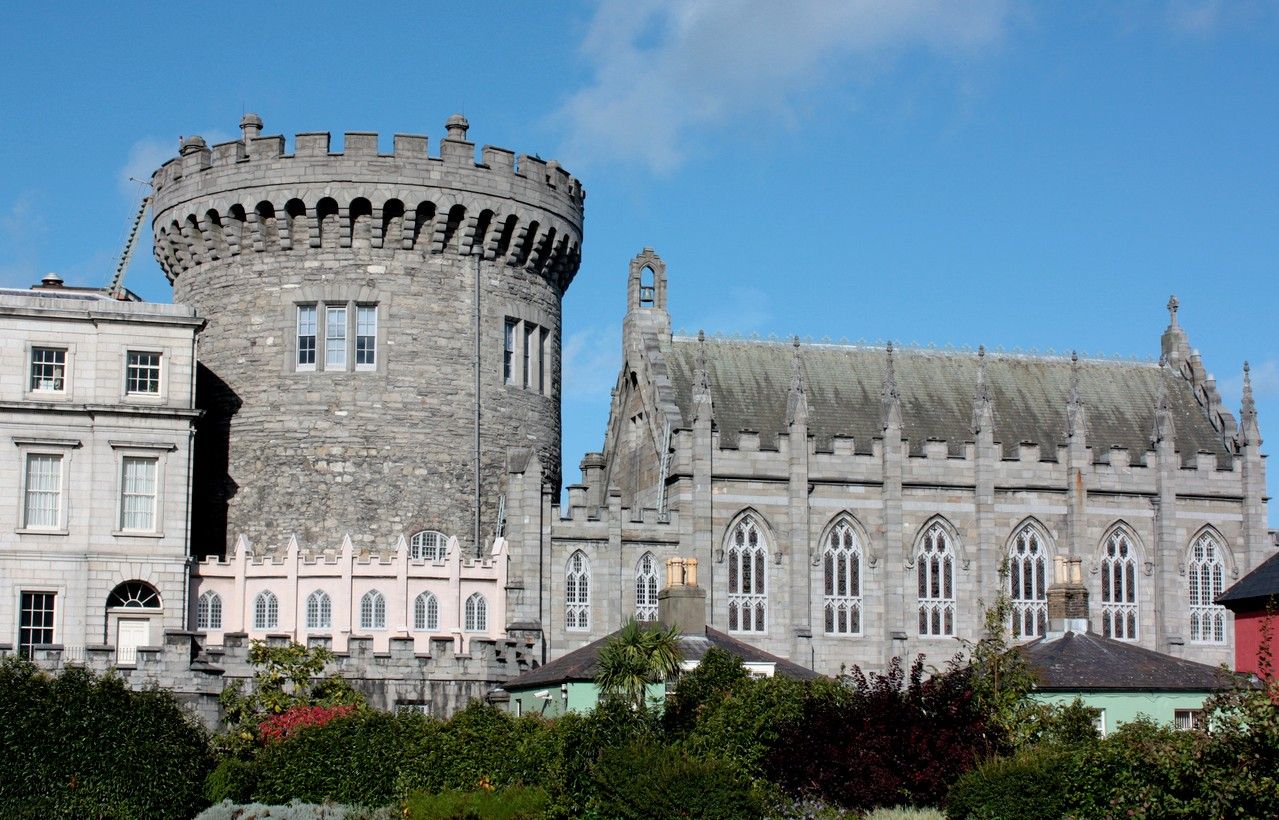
[(133, 606)]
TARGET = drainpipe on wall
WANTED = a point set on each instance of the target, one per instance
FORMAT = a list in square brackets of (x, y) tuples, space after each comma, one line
[(478, 550)]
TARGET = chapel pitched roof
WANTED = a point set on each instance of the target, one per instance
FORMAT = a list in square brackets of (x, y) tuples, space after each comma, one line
[(749, 381), (583, 664), (1085, 661), (1256, 587)]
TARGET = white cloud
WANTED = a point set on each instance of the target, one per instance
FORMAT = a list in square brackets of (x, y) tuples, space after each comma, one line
[(591, 359), (742, 311), (145, 156), (665, 71), (22, 232)]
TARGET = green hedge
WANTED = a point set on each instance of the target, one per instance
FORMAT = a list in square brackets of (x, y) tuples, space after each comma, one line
[(78, 745), (1028, 784), (641, 780)]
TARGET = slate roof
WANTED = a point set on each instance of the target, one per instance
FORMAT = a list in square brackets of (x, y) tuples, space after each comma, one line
[(582, 664), (1255, 587), (750, 381), (1084, 661)]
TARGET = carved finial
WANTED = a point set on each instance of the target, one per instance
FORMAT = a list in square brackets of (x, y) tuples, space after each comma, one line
[(983, 412), (890, 399), (1173, 304), (1163, 409), (796, 399), (1076, 418), (1249, 432)]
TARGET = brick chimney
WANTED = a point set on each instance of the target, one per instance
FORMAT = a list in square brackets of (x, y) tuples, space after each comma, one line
[(682, 603), (1067, 598)]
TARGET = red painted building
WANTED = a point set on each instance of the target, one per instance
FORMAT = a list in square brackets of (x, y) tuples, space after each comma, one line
[(1255, 602)]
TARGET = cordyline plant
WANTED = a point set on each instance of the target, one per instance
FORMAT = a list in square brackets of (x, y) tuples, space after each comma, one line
[(636, 657)]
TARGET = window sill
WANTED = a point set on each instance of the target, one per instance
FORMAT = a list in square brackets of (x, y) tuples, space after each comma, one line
[(136, 534), (40, 531)]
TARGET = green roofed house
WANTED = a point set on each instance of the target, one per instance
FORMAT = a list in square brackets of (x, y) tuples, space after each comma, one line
[(568, 683), (1121, 679)]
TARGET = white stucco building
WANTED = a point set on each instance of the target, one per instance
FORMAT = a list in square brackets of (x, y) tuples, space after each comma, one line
[(96, 423)]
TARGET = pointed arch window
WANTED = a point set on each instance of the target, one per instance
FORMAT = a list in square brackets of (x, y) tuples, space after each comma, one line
[(373, 610), (1207, 573), (428, 545), (266, 610), (935, 568), (747, 578), (476, 614), (1028, 583), (319, 610), (646, 588), (842, 571), (577, 593), (1119, 587), (426, 613), (208, 611)]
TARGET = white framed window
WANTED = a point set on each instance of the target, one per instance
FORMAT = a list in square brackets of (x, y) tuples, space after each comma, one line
[(1100, 723), (335, 337), (747, 578), (1119, 587), (646, 588), (935, 570), (426, 612), (1028, 583), (372, 610), (577, 593), (42, 495), (266, 610), (48, 369), (428, 545), (476, 614), (208, 611), (319, 610), (365, 337), (35, 620), (509, 331), (138, 487), (142, 373), (1187, 720), (842, 575), (307, 327), (1207, 571)]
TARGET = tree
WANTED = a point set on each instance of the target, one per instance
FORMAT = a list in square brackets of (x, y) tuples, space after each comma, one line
[(284, 677), (636, 657)]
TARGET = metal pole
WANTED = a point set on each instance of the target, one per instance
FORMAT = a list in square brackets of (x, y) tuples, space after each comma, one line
[(478, 549)]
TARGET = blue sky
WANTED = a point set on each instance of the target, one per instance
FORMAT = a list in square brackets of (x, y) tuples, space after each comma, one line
[(1015, 175)]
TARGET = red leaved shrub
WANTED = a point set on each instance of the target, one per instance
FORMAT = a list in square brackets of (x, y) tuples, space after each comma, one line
[(291, 721)]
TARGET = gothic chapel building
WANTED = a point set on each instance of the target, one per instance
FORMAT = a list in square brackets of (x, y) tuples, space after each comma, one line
[(848, 504)]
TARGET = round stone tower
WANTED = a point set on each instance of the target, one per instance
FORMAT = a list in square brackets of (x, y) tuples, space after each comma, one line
[(382, 329)]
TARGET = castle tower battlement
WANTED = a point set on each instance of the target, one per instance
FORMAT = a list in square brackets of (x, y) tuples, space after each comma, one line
[(378, 325)]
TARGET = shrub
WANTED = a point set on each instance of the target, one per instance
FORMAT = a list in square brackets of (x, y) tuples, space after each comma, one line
[(295, 810), (353, 759), (745, 725), (292, 720), (232, 779), (697, 691), (643, 780), (86, 746), (511, 803), (906, 737), (1031, 783)]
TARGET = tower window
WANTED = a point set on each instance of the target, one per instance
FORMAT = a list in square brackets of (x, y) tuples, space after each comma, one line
[(365, 337), (307, 323), (508, 351), (530, 339), (335, 338)]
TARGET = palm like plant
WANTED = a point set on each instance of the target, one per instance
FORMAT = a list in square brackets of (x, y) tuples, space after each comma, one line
[(636, 657)]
